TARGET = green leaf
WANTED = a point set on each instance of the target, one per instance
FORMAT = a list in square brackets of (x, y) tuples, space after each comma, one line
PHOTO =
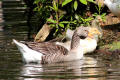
[(76, 17), (91, 0), (75, 5), (74, 22), (103, 15), (88, 19), (36, 1), (82, 19), (83, 2), (56, 30), (52, 25), (35, 9), (65, 22), (68, 26), (52, 8), (55, 6), (66, 2), (51, 20), (61, 25), (61, 17)]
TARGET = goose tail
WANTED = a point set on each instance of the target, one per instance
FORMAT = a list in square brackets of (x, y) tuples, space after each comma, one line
[(21, 47), (18, 44), (28, 54)]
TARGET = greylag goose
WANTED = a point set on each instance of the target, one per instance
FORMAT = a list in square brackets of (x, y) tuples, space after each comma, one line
[(47, 52), (89, 44), (114, 6)]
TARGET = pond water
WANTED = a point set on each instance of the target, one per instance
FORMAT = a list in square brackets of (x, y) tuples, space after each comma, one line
[(88, 68), (12, 67)]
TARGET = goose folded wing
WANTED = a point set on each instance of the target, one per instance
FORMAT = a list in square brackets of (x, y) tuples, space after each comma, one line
[(47, 48)]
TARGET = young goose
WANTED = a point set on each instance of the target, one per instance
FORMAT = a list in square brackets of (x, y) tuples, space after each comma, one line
[(47, 52), (89, 44), (114, 6)]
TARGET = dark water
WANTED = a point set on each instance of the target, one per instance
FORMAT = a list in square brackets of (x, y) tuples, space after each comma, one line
[(12, 67), (89, 68)]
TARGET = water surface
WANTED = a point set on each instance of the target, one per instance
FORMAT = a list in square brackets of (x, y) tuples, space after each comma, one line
[(90, 67)]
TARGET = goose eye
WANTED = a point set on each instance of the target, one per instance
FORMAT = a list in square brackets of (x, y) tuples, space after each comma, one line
[(86, 31)]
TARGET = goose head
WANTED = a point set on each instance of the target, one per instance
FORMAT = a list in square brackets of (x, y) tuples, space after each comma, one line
[(79, 33), (83, 39)]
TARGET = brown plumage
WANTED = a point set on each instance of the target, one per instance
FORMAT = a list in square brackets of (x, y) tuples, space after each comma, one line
[(51, 52)]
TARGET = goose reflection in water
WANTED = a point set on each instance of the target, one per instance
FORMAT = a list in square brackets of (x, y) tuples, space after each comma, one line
[(85, 69)]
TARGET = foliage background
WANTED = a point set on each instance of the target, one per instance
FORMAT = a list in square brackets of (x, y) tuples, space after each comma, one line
[(65, 13)]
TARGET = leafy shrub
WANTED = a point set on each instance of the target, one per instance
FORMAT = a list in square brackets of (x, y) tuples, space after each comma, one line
[(66, 13)]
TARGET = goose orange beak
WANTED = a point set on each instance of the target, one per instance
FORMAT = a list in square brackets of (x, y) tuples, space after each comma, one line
[(90, 35)]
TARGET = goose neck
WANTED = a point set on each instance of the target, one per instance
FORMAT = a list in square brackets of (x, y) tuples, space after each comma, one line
[(75, 41)]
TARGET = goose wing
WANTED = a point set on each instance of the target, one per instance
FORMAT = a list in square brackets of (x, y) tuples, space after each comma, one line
[(51, 52), (47, 48)]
